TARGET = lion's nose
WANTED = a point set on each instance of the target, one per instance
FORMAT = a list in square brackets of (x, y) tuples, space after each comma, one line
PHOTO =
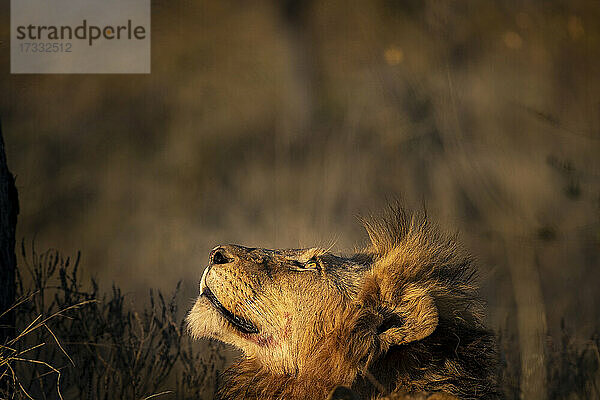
[(219, 255)]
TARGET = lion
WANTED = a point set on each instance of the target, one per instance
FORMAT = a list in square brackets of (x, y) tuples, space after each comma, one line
[(400, 319)]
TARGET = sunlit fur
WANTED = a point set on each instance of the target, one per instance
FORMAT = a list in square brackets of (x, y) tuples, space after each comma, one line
[(404, 311)]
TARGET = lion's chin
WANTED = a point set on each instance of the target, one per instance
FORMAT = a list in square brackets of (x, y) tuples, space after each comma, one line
[(210, 320), (205, 322)]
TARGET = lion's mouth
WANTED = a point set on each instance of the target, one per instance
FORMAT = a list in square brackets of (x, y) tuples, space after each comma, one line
[(242, 324)]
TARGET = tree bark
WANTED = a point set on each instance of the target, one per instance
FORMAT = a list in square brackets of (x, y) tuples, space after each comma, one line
[(9, 209)]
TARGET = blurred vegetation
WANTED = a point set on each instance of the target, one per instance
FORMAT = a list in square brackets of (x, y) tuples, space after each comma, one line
[(573, 368), (275, 123)]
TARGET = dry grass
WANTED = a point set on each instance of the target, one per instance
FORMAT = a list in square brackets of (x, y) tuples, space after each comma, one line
[(77, 344), (11, 353)]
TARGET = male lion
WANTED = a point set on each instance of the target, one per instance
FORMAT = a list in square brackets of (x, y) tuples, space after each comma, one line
[(400, 318)]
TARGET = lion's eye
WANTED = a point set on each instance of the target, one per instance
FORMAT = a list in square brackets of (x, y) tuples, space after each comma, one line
[(312, 264)]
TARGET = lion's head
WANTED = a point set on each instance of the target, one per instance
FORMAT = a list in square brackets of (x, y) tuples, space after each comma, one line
[(403, 312)]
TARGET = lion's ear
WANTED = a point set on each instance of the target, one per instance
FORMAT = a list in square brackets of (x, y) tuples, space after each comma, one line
[(413, 318)]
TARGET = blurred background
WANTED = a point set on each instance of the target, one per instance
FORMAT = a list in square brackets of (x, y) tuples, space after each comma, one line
[(278, 123)]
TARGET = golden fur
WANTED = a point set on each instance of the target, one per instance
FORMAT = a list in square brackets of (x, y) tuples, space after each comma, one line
[(401, 317)]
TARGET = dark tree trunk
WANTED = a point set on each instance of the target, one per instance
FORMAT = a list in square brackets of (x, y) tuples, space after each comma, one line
[(9, 208)]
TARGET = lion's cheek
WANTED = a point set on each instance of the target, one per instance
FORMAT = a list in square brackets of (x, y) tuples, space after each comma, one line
[(263, 340)]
